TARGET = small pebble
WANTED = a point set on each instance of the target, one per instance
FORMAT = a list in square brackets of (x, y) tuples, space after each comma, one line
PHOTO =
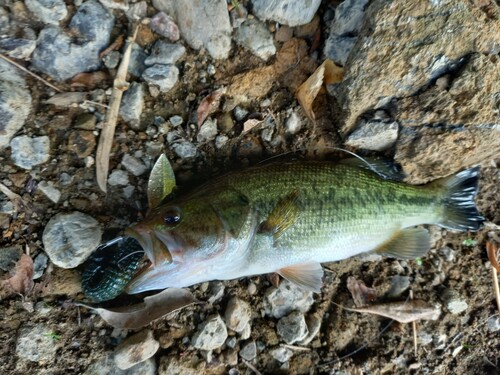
[(35, 343), (133, 165), (136, 349), (254, 36), (50, 191), (238, 314), (249, 351), (39, 265), (292, 328), (9, 256), (133, 104), (28, 152), (493, 324), (293, 123), (48, 11), (399, 284), (211, 335), (286, 298), (162, 24), (282, 354), (118, 178), (252, 289), (176, 120), (240, 113), (221, 141), (165, 53), (185, 150), (374, 135), (163, 76), (112, 59), (208, 131), (453, 301)]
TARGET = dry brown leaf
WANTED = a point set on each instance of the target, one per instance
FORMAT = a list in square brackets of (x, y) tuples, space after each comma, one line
[(66, 99), (153, 307), (492, 249), (361, 294), (90, 81), (327, 73), (403, 312), (209, 105), (22, 280)]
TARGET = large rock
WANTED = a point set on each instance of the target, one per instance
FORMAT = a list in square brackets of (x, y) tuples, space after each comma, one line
[(15, 102), (70, 238), (291, 13), (36, 343), (441, 87), (203, 24), (62, 55)]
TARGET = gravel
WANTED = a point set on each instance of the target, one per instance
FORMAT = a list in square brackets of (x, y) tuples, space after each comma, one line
[(136, 349), (61, 56), (39, 265), (163, 76), (185, 149), (399, 284), (133, 104), (133, 165), (280, 301), (18, 48), (9, 256), (238, 314), (208, 131), (51, 192), (118, 178), (106, 366), (164, 25), (68, 239), (255, 36), (291, 13), (211, 334), (28, 152), (248, 351), (282, 354), (51, 12), (165, 53), (293, 123), (292, 328), (137, 65)]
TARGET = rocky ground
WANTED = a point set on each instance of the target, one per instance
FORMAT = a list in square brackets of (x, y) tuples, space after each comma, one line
[(421, 85)]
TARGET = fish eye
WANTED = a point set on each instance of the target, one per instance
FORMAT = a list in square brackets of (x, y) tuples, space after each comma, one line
[(172, 217)]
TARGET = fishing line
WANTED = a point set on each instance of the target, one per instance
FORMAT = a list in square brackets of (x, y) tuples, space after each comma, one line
[(128, 255)]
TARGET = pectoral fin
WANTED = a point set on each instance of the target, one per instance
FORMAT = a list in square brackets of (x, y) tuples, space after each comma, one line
[(408, 243), (307, 275), (283, 216)]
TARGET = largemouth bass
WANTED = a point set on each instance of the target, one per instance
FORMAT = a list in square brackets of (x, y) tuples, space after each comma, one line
[(289, 218)]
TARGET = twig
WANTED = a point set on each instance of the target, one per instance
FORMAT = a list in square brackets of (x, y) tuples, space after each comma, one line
[(299, 348), (492, 256), (251, 367), (414, 327), (16, 199), (2, 56), (120, 85)]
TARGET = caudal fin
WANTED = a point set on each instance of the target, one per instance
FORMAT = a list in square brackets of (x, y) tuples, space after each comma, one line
[(460, 211)]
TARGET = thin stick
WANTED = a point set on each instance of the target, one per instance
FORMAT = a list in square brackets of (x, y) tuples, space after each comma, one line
[(2, 56), (15, 198), (299, 348), (492, 256), (414, 327), (120, 85), (251, 367)]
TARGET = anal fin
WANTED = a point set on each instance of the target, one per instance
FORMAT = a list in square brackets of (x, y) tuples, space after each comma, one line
[(407, 243), (306, 275)]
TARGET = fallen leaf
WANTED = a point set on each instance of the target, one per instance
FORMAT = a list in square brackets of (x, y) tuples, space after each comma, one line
[(491, 248), (153, 307), (327, 73), (66, 99), (90, 81), (361, 294), (22, 280), (403, 312), (209, 105), (161, 181)]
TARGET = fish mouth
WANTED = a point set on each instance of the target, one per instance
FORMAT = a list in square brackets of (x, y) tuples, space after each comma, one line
[(155, 244)]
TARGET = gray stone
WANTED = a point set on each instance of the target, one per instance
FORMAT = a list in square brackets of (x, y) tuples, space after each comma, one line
[(208, 130), (255, 36), (292, 328), (185, 149), (9, 256), (18, 48), (374, 135), (282, 354), (238, 314), (61, 56), (28, 152), (137, 64), (338, 48), (164, 25), (39, 265), (398, 285), (48, 11), (240, 113), (50, 191), (453, 301), (118, 178), (286, 298), (70, 238), (211, 334), (216, 291), (493, 324), (115, 4), (221, 141), (15, 102), (4, 22), (136, 349), (112, 59), (133, 165), (163, 76), (34, 343), (176, 120), (291, 13), (203, 24), (133, 104), (248, 351), (293, 123), (165, 53), (137, 11), (106, 366)]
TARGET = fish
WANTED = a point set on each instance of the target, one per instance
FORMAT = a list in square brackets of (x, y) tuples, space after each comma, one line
[(291, 217)]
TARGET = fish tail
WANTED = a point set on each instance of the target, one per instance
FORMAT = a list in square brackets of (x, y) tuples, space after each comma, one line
[(459, 209)]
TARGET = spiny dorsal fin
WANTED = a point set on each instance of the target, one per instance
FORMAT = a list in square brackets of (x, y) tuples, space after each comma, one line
[(306, 275), (385, 168), (282, 217), (407, 243), (233, 208)]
